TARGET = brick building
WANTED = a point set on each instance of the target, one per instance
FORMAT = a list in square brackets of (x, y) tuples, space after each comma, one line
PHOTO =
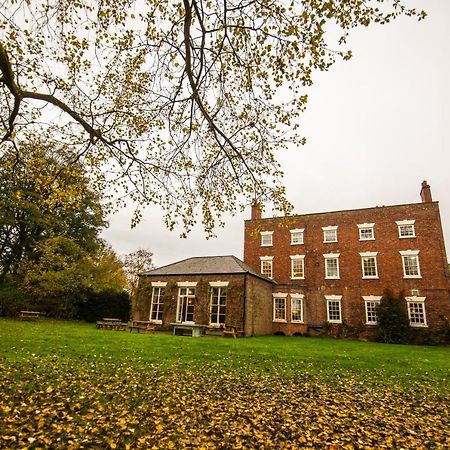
[(215, 291), (332, 268), (310, 273)]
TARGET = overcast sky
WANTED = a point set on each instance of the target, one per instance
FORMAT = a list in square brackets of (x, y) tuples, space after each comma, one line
[(376, 126)]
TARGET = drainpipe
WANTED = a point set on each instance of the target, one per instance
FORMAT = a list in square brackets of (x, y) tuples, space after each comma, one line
[(245, 304)]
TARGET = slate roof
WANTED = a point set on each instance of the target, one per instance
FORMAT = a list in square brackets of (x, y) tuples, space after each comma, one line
[(207, 265)]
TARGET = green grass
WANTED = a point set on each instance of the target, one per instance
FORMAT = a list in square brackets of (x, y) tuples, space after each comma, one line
[(287, 356), (68, 384)]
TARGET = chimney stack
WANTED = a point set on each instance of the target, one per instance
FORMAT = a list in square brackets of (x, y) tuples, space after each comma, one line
[(425, 192), (256, 211)]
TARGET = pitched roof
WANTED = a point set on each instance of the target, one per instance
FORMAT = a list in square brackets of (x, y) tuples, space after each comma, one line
[(207, 265)]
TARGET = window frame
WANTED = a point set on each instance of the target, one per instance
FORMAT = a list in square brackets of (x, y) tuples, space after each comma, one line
[(267, 259), (295, 258), (337, 299), (370, 300), (410, 254), (185, 285), (366, 226), (411, 301), (220, 286), (266, 234), (403, 224), (372, 255), (328, 257), (299, 298), (279, 296), (157, 285), (301, 233), (328, 230)]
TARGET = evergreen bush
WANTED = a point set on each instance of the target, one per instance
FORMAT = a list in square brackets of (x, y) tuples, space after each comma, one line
[(393, 322)]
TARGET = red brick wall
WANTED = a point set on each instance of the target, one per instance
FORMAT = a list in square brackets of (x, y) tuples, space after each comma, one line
[(434, 283), (258, 317)]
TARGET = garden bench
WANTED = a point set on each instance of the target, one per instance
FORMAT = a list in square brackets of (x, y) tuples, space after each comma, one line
[(194, 329), (32, 315), (142, 325)]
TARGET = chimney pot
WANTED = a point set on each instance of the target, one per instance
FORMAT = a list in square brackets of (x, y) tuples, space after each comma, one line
[(425, 192)]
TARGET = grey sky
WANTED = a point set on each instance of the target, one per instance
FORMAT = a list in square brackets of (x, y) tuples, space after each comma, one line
[(376, 126)]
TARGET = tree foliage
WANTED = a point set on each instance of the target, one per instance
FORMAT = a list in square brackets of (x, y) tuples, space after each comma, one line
[(393, 322), (183, 103), (50, 219), (44, 195), (135, 263)]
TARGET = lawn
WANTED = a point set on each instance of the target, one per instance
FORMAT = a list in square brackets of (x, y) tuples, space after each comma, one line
[(68, 385)]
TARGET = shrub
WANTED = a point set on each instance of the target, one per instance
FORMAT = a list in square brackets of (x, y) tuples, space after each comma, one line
[(12, 301), (393, 322), (106, 303)]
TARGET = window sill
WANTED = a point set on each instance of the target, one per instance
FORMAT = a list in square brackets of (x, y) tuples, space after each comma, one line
[(371, 278), (156, 322), (297, 278), (330, 242), (418, 325), (279, 320), (332, 278), (297, 321), (412, 276), (406, 237), (335, 321), (368, 239), (371, 324)]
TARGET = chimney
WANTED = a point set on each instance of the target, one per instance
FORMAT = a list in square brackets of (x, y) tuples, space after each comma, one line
[(256, 211), (425, 192)]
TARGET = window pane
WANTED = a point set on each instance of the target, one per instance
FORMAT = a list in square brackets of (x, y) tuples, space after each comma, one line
[(332, 267), (369, 266), (406, 230), (156, 308), (334, 310), (296, 310), (372, 311), (297, 268), (297, 237), (366, 233), (266, 268), (330, 235), (279, 312), (218, 305), (416, 313), (411, 265)]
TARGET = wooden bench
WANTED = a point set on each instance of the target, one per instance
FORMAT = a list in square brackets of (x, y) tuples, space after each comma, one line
[(30, 315), (142, 325), (232, 331), (111, 324)]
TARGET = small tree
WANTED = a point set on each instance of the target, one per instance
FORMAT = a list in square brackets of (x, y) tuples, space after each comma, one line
[(135, 263), (393, 323)]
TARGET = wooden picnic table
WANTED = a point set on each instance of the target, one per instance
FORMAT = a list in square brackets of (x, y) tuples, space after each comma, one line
[(109, 323), (32, 315), (232, 331), (145, 326)]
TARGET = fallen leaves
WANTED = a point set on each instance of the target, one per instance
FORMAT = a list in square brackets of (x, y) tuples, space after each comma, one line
[(134, 404)]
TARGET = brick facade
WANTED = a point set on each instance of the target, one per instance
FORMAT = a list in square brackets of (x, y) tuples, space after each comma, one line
[(248, 300), (429, 282)]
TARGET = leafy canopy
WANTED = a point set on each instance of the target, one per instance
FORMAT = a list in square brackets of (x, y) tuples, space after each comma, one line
[(179, 103)]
